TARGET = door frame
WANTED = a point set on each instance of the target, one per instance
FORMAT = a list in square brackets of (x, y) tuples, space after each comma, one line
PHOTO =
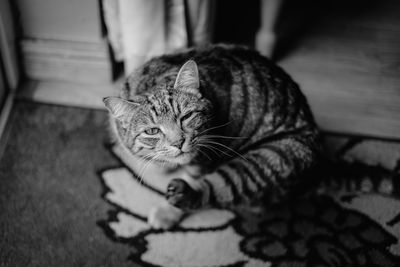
[(8, 60)]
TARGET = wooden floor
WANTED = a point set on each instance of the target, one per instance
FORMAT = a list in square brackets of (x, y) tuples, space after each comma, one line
[(345, 56), (348, 64)]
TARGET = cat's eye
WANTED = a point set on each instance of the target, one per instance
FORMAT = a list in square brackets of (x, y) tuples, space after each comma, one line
[(186, 116), (152, 131)]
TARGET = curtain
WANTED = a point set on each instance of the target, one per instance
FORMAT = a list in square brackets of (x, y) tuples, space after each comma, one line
[(140, 29)]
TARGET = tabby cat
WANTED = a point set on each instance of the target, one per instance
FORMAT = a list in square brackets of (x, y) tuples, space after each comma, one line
[(235, 122)]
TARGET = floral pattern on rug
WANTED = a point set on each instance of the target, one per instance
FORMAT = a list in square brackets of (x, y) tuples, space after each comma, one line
[(332, 228), (317, 232)]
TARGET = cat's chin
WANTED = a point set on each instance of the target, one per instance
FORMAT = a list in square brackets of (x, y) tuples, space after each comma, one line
[(182, 159)]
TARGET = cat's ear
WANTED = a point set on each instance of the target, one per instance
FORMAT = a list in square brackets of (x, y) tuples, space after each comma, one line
[(118, 107), (188, 78)]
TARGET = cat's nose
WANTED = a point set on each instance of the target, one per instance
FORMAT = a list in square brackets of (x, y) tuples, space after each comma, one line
[(179, 143)]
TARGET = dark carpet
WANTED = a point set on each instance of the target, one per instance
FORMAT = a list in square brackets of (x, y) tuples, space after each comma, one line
[(49, 190)]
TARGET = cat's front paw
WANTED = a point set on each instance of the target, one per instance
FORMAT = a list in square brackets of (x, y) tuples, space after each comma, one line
[(182, 196), (164, 216)]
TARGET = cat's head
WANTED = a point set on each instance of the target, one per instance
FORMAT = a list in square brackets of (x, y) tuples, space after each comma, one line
[(163, 125)]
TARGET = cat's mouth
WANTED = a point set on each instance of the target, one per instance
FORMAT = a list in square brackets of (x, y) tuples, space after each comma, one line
[(175, 158), (180, 158), (184, 157)]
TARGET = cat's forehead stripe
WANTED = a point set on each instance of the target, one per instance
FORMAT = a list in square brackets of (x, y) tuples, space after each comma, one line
[(158, 106), (153, 113), (177, 108), (169, 102)]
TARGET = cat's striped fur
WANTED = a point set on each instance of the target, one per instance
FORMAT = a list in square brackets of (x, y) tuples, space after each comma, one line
[(259, 135)]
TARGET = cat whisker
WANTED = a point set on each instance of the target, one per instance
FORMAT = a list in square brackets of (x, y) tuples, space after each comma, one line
[(146, 157), (151, 159), (203, 152), (215, 149), (224, 146), (215, 127), (142, 169), (222, 136), (208, 147)]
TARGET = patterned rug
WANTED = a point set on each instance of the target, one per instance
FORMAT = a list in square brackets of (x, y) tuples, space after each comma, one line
[(341, 225)]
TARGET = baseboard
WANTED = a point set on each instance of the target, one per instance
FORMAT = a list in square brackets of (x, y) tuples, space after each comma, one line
[(75, 62), (69, 94)]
